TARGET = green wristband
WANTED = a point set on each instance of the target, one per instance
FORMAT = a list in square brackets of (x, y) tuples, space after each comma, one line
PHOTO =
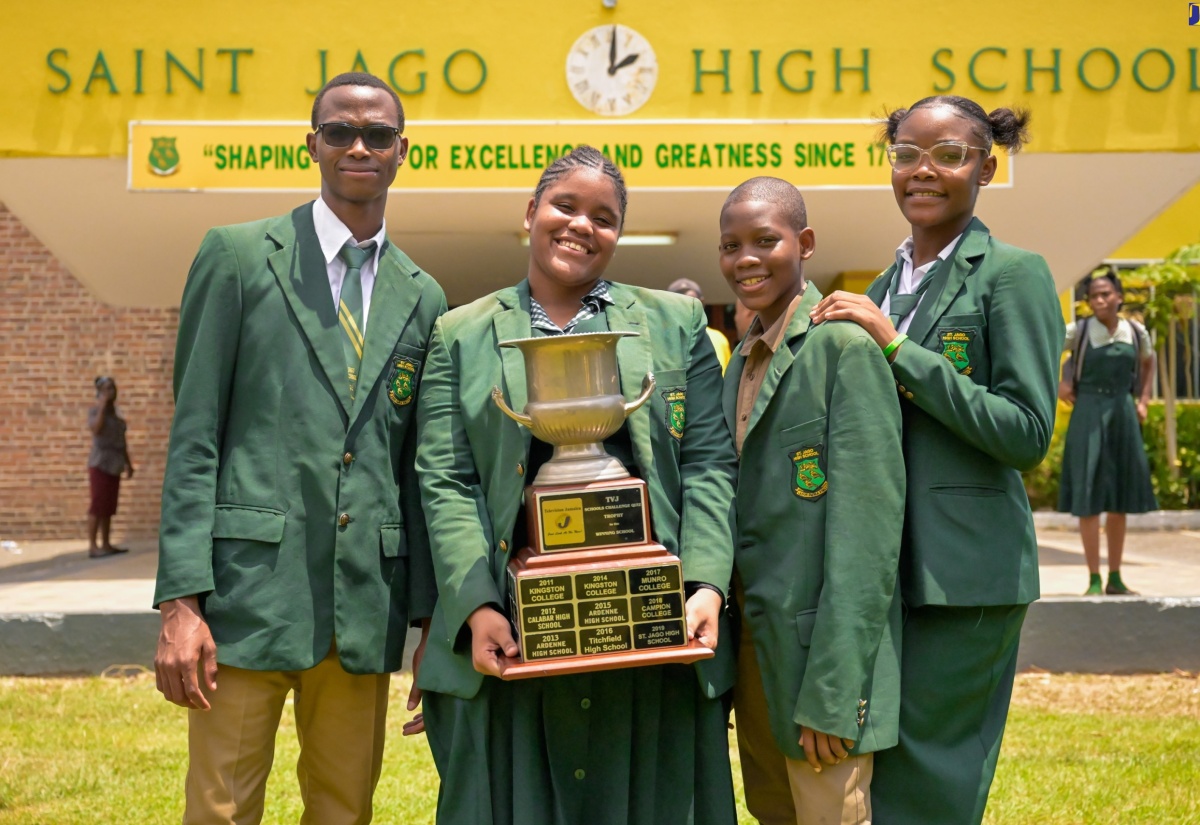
[(895, 345)]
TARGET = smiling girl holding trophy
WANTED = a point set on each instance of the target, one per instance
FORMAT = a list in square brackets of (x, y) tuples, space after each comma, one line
[(635, 745)]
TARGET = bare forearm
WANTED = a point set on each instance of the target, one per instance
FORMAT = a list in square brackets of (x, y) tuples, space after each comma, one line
[(1147, 380)]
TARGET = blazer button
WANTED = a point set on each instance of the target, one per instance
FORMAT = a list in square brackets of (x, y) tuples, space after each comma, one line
[(908, 395), (901, 386), (502, 546), (347, 459), (343, 519), (520, 469)]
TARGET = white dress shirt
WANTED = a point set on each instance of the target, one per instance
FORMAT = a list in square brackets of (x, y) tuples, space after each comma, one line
[(911, 278), (333, 235)]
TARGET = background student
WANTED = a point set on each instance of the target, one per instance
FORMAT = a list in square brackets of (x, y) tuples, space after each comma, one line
[(109, 457), (1108, 378), (973, 330)]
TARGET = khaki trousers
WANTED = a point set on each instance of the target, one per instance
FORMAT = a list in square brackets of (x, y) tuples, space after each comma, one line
[(340, 724), (782, 791), (839, 795)]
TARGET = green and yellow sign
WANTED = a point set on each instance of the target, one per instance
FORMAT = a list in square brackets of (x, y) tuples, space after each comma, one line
[(668, 154)]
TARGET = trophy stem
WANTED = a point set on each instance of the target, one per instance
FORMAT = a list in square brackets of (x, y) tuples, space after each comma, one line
[(580, 463)]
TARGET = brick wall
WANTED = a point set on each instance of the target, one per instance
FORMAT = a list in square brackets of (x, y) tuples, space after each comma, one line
[(55, 338)]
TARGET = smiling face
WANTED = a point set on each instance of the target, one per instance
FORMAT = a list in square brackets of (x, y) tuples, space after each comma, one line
[(1104, 299), (934, 199), (573, 232), (762, 256), (355, 176)]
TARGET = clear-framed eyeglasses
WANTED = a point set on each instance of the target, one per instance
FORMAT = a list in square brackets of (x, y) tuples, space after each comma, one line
[(948, 155)]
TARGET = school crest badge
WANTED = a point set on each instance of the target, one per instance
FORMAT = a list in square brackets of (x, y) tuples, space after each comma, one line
[(402, 381), (809, 481), (956, 348), (676, 401), (164, 157)]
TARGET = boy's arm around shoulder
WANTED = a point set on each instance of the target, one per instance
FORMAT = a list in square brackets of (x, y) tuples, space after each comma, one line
[(451, 492), (864, 515), (206, 349), (422, 584), (708, 468)]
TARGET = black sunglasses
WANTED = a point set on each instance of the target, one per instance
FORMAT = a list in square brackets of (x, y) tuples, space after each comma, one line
[(376, 136)]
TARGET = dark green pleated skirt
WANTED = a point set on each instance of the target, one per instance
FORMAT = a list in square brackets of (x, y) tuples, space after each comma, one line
[(639, 746)]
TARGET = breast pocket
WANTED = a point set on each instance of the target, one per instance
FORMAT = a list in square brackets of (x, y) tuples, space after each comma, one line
[(961, 341), (404, 374), (803, 447)]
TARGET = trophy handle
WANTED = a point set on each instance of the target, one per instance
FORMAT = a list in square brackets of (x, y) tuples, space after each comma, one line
[(498, 397), (647, 387)]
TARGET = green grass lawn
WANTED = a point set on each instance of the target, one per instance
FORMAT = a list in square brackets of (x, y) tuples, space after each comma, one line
[(1118, 750)]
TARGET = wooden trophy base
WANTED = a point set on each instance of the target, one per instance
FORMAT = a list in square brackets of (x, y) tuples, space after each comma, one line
[(598, 610)]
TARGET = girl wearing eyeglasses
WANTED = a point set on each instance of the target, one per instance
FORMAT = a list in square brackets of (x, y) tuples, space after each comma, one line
[(973, 330)]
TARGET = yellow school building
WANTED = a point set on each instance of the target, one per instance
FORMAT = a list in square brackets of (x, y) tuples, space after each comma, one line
[(128, 129)]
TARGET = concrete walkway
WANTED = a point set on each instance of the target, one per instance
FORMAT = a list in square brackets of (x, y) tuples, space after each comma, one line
[(61, 611)]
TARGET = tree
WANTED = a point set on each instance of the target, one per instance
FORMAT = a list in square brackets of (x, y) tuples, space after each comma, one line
[(1169, 309)]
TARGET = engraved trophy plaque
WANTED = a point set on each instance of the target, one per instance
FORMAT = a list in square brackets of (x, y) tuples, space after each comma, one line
[(593, 590)]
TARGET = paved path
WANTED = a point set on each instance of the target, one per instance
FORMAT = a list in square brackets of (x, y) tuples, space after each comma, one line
[(58, 577)]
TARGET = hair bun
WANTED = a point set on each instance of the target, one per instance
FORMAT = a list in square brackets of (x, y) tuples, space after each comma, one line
[(1010, 128)]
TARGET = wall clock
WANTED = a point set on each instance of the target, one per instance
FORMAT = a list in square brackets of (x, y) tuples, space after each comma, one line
[(611, 70)]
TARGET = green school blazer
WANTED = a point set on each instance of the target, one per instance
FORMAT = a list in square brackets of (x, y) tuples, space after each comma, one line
[(819, 512), (267, 453), (978, 379), (472, 459)]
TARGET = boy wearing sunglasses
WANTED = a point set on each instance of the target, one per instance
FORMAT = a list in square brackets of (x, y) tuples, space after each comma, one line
[(293, 551)]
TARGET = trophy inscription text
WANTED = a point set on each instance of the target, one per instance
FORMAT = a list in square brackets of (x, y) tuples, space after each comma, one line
[(592, 518), (553, 608)]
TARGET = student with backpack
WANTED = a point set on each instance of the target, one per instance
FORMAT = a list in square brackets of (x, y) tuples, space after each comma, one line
[(1104, 470)]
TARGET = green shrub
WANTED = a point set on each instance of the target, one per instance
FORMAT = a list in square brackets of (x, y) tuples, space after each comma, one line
[(1180, 494)]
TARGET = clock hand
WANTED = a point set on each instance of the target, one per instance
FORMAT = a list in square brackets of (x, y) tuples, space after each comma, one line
[(628, 60), (612, 51)]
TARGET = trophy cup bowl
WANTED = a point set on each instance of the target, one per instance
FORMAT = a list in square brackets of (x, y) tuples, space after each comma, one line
[(574, 402)]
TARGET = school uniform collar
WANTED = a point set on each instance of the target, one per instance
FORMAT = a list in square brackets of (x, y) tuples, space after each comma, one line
[(591, 305), (904, 256), (774, 336), (332, 234)]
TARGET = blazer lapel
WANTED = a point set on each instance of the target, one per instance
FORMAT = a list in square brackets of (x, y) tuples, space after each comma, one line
[(782, 360), (510, 324), (729, 392), (299, 267), (393, 301), (956, 269), (633, 362), (879, 287)]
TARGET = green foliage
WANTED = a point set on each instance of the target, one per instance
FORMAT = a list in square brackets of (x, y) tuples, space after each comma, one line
[(1041, 483), (1174, 280), (1182, 493)]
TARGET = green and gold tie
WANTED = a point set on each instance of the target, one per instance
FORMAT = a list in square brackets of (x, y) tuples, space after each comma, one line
[(350, 308), (900, 306)]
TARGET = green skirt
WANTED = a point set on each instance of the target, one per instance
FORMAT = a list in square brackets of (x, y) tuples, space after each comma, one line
[(622, 747), (1104, 461)]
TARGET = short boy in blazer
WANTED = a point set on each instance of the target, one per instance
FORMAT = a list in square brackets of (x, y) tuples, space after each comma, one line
[(820, 508), (293, 551)]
